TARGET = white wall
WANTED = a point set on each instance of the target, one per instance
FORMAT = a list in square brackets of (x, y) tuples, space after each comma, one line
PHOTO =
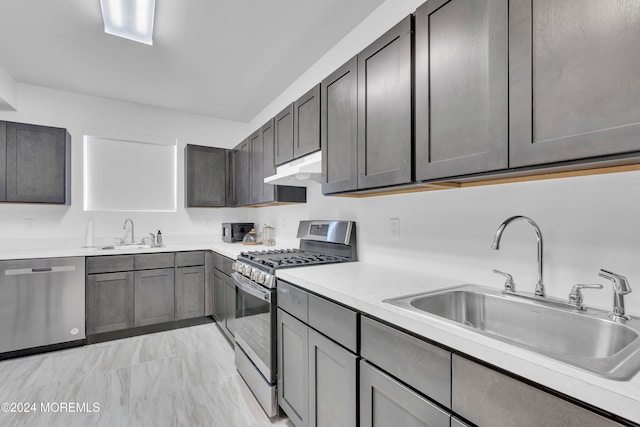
[(587, 222), (81, 113), (8, 92)]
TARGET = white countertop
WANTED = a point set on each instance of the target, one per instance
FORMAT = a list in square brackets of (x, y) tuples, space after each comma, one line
[(363, 286), (230, 250)]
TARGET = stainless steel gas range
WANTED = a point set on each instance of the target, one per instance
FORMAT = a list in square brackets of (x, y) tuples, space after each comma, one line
[(321, 242)]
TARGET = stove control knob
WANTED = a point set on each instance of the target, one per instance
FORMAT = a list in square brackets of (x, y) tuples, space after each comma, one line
[(270, 281), (246, 271), (262, 277), (254, 274)]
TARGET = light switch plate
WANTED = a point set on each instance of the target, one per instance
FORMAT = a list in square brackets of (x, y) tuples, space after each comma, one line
[(395, 228)]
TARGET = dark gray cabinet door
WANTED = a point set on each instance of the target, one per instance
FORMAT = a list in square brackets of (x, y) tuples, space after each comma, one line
[(206, 176), (332, 383), (574, 79), (488, 398), (229, 306), (109, 302), (219, 305), (284, 135), (293, 368), (268, 136), (306, 123), (339, 134), (461, 87), (384, 109), (154, 296), (3, 161), (38, 164), (241, 173), (190, 296), (256, 176), (387, 402), (209, 271)]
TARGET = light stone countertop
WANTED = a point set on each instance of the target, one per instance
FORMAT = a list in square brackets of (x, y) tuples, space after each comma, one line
[(363, 286), (230, 250)]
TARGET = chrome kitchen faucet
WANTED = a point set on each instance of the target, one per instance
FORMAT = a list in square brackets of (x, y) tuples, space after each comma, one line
[(124, 227), (496, 245)]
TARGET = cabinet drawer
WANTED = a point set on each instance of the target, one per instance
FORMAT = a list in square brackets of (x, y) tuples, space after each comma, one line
[(217, 260), (335, 321), (425, 367), (487, 397), (150, 261), (109, 264), (189, 259), (293, 300)]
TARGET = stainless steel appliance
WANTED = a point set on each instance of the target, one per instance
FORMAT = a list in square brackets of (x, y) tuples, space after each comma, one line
[(235, 231), (41, 302), (321, 242)]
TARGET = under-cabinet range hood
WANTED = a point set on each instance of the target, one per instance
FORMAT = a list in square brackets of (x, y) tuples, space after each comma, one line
[(299, 172)]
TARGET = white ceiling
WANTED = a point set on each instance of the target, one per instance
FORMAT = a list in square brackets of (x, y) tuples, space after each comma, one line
[(220, 58)]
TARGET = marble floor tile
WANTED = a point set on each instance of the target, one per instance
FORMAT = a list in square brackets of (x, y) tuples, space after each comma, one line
[(183, 377)]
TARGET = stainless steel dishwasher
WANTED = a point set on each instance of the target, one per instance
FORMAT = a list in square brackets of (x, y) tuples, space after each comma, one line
[(41, 302)]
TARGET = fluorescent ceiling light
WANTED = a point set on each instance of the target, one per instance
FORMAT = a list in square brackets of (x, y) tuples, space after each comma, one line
[(130, 19)]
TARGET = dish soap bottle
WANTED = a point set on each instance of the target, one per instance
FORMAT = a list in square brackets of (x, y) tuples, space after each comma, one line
[(159, 238)]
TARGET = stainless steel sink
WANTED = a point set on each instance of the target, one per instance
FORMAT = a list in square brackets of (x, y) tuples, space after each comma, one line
[(125, 247), (588, 339)]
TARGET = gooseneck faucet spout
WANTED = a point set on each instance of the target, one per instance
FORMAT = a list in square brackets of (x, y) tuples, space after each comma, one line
[(124, 227), (496, 245)]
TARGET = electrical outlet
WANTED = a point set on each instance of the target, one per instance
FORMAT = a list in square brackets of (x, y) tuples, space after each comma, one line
[(207, 223), (395, 228), (29, 223)]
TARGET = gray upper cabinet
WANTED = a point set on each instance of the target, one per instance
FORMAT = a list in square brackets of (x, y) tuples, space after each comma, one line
[(574, 79), (154, 296), (306, 123), (241, 174), (262, 163), (206, 176), (283, 123), (461, 87), (385, 108), (339, 134), (37, 164)]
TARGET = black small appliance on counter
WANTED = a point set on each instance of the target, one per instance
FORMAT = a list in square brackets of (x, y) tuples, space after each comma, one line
[(235, 231)]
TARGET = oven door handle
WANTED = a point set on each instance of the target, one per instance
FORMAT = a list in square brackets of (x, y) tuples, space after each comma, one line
[(250, 288)]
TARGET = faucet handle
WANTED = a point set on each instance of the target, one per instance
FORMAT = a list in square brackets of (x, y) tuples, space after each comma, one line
[(153, 239), (620, 283), (509, 284), (575, 296)]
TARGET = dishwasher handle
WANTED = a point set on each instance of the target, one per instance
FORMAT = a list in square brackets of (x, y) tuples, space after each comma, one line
[(39, 270)]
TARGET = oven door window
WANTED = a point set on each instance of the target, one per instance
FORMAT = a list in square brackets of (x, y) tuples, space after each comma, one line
[(253, 324)]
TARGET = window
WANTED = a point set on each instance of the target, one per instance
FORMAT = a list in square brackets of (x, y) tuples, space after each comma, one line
[(123, 174)]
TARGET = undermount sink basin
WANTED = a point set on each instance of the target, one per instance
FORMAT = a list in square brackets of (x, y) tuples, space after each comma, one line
[(588, 340)]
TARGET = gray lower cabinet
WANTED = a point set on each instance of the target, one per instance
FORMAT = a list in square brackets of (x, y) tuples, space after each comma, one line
[(489, 398), (293, 368), (154, 296), (209, 271), (573, 79), (190, 292), (109, 302), (206, 176), (461, 87), (36, 164), (230, 306), (333, 375), (385, 401), (219, 307)]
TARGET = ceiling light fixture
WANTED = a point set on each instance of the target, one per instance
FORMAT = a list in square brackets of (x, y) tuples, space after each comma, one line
[(130, 19)]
